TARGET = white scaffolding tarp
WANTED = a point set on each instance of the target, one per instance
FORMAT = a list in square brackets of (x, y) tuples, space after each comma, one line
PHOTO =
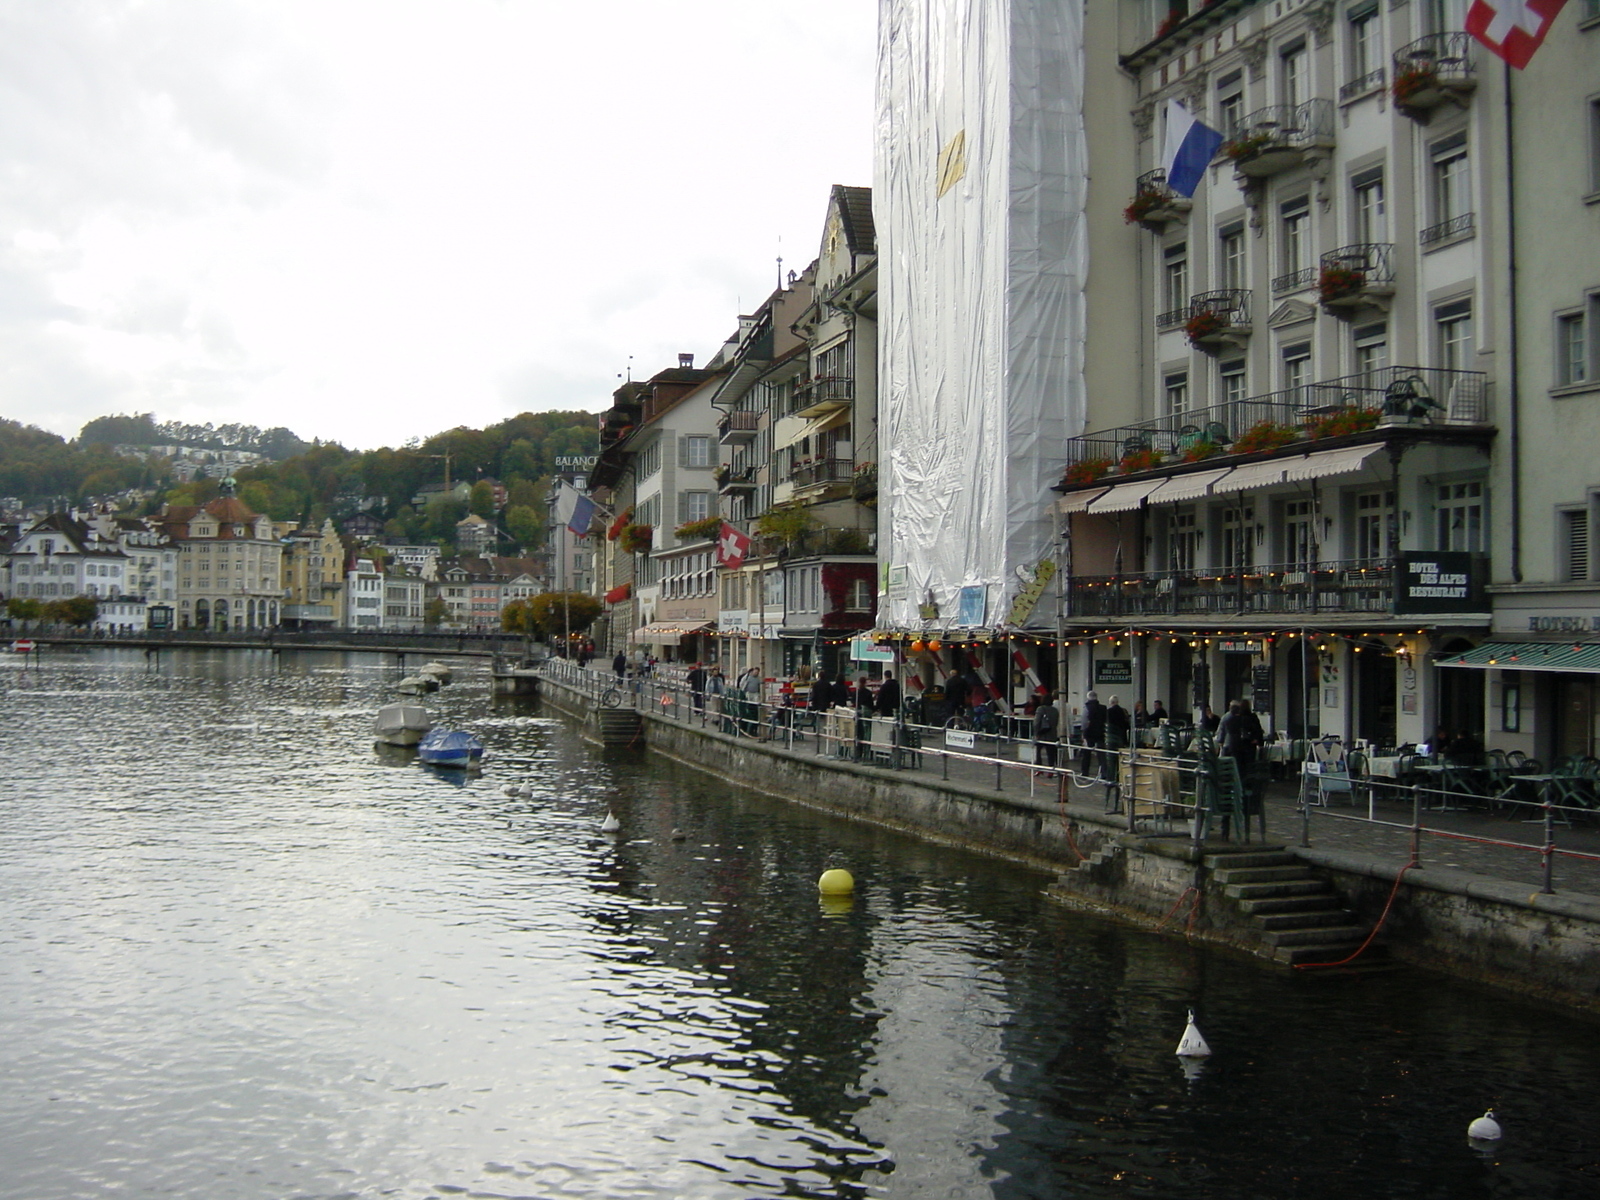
[(978, 200)]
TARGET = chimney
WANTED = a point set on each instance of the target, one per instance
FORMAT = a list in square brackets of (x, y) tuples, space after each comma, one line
[(686, 361)]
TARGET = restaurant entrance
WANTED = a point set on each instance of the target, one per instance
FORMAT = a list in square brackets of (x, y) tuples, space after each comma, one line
[(1376, 680), (1574, 716)]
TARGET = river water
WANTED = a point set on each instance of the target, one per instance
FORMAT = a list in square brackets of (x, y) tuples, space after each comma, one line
[(245, 954)]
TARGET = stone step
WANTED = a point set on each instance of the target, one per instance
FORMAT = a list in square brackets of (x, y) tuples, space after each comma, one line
[(1262, 858), (1288, 887), (1227, 875), (1324, 936), (1332, 915), (1316, 902)]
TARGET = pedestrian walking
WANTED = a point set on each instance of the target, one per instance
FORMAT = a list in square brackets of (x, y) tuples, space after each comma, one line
[(1046, 732)]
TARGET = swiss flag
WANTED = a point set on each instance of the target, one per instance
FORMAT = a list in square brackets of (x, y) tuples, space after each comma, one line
[(1513, 29), (732, 546)]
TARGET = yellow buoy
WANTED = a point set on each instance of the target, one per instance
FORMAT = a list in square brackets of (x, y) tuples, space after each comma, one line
[(836, 882)]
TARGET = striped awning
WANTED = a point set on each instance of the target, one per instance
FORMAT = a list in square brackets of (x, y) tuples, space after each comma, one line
[(1077, 502), (1251, 476), (1329, 462), (1583, 657), (1125, 497), (1188, 487)]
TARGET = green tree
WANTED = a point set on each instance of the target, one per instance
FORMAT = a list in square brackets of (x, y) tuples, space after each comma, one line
[(527, 526), (24, 608), (441, 515), (74, 610), (482, 500), (555, 613), (434, 613)]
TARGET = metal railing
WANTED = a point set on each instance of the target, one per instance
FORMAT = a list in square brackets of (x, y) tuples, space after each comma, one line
[(729, 479), (1172, 318), (1293, 281), (1363, 84), (1445, 57), (1448, 398), (1443, 230), (1231, 304), (1353, 585), (826, 470), (1281, 127), (1364, 265), (737, 422)]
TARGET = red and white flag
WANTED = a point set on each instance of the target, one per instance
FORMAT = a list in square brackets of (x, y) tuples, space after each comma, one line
[(732, 546), (1513, 29)]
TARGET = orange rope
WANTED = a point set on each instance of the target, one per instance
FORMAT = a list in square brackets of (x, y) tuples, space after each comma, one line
[(1393, 892)]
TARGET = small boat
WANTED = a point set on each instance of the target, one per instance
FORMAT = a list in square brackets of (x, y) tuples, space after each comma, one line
[(417, 685), (437, 670), (401, 724), (450, 748)]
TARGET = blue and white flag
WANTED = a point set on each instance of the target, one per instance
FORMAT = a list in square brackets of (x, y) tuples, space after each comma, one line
[(582, 514), (1191, 145)]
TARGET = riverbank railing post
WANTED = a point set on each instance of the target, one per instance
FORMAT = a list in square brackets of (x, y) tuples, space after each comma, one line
[(1416, 824), (1548, 851), (1305, 809)]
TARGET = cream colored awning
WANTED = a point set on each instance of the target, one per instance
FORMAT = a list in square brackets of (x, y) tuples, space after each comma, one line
[(1250, 476), (1329, 462), (1077, 502), (1124, 497), (1187, 487)]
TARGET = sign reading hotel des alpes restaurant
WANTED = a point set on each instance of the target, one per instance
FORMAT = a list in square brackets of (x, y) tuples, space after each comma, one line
[(1440, 582)]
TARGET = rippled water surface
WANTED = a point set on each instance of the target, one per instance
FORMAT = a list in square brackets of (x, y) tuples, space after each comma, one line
[(245, 954)]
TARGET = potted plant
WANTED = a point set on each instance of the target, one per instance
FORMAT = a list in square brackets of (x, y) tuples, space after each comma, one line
[(1145, 201), (624, 519), (1264, 435), (1141, 460), (701, 530), (1087, 470), (1205, 324), (1414, 84), (1247, 145), (1336, 283), (1200, 451), (1345, 421), (635, 539)]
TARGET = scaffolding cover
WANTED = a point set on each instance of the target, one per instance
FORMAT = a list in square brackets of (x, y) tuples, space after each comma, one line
[(978, 198)]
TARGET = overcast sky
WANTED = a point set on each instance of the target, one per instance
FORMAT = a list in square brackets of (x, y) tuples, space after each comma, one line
[(370, 220)]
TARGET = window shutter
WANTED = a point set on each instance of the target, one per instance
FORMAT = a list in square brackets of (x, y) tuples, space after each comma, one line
[(1578, 545), (683, 451), (683, 509)]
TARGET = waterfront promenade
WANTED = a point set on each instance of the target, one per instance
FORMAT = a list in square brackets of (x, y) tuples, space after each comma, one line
[(1379, 824)]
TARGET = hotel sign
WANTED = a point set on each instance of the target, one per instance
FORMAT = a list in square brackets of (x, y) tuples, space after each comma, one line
[(1438, 582)]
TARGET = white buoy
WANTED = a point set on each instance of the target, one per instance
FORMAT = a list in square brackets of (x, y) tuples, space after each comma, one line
[(525, 791), (610, 824), (1192, 1045), (1485, 1128), (678, 835)]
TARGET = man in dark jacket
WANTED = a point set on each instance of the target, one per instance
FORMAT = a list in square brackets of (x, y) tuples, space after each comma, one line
[(1094, 729), (697, 687), (1046, 731), (889, 697)]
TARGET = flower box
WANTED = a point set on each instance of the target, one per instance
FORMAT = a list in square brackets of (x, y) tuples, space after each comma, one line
[(1088, 470), (1264, 435), (1141, 460), (1345, 421)]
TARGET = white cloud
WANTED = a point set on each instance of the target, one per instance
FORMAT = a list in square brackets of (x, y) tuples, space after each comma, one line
[(372, 219)]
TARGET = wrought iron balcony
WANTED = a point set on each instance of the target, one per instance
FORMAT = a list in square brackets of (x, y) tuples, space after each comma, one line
[(824, 394), (1154, 204), (1293, 281), (731, 480), (1357, 276), (822, 471), (1432, 70), (1279, 137), (1445, 231), (1362, 84), (1355, 585), (1219, 317), (1411, 397), (737, 428)]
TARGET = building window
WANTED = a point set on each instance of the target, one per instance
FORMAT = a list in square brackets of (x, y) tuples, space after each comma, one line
[(1369, 216), (695, 451), (1371, 343), (693, 506), (1299, 537), (1575, 544), (1238, 536), (1373, 512), (1231, 381), (1443, 16), (1230, 257), (1292, 82), (1175, 263), (1296, 371), (1294, 237), (1450, 191), (860, 598), (1177, 393), (1230, 102), (1183, 541), (1366, 52), (1458, 517), (1453, 335), (1574, 345)]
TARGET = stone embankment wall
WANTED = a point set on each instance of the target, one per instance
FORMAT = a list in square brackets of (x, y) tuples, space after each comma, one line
[(1466, 925)]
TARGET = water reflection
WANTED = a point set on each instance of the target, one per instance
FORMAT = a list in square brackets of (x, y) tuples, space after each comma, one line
[(251, 954)]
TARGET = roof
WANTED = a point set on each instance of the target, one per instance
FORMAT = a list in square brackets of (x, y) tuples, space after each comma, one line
[(855, 214)]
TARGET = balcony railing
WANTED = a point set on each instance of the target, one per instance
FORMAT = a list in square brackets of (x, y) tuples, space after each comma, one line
[(1432, 69), (1408, 396), (1355, 585), (1362, 84), (814, 397), (1445, 230), (737, 427), (822, 470), (1278, 137), (1293, 281), (1352, 276), (1219, 316), (1154, 204), (731, 480)]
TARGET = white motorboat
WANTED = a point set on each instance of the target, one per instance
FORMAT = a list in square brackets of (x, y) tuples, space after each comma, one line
[(438, 670), (401, 724)]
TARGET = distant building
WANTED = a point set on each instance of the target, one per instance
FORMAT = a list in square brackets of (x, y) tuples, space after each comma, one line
[(229, 564)]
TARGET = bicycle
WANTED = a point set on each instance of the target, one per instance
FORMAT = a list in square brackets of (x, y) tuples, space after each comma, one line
[(610, 698)]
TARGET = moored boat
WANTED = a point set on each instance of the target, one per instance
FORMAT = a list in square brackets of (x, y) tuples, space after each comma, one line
[(417, 685), (401, 724), (450, 748), (437, 670)]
